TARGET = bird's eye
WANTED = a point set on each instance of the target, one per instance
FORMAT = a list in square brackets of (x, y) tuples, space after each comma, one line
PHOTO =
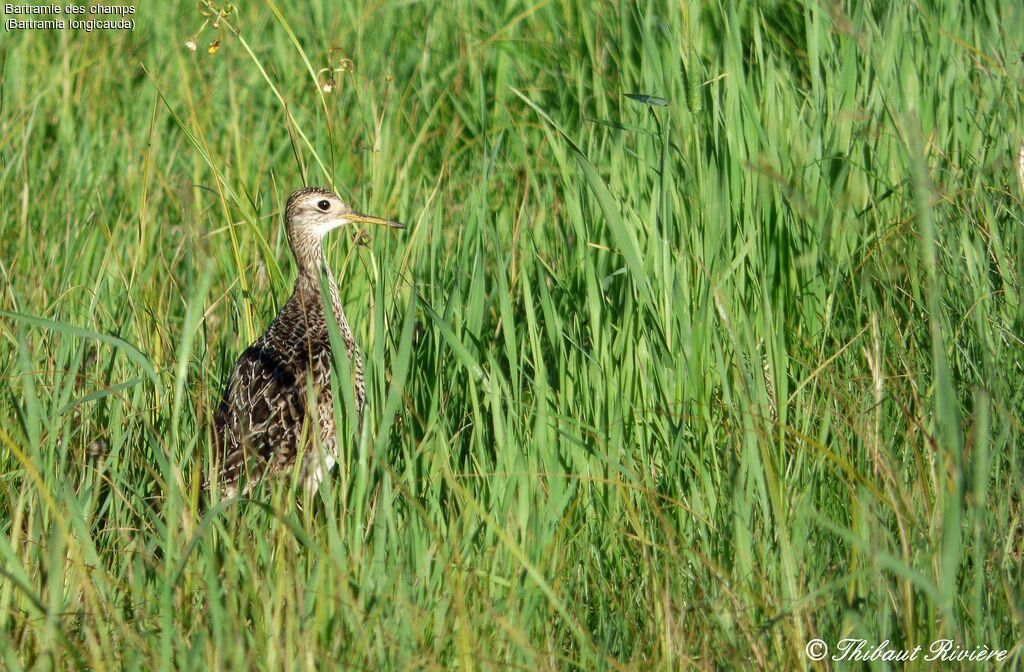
[(324, 205)]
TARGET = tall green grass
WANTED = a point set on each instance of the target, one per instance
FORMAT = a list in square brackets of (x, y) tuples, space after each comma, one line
[(704, 338)]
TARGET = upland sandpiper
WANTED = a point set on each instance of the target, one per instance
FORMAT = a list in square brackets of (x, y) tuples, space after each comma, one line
[(280, 388)]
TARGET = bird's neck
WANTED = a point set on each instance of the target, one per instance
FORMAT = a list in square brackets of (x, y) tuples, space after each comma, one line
[(309, 281), (306, 299), (309, 254), (307, 290)]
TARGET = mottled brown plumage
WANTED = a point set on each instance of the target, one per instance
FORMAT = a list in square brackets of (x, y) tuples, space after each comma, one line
[(278, 398)]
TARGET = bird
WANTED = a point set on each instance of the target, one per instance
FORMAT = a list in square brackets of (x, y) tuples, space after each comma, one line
[(279, 390)]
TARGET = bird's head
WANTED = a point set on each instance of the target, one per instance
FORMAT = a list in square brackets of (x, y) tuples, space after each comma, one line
[(316, 210), (311, 212)]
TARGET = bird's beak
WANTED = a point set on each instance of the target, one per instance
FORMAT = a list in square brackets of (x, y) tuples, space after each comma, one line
[(354, 216)]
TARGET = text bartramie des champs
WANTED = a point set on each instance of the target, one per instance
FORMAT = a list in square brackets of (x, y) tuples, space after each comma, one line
[(77, 17), (71, 9)]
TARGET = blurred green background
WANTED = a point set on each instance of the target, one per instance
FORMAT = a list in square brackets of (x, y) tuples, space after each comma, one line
[(704, 338)]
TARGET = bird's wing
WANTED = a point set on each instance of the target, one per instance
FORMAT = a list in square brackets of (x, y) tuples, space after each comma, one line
[(260, 417)]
